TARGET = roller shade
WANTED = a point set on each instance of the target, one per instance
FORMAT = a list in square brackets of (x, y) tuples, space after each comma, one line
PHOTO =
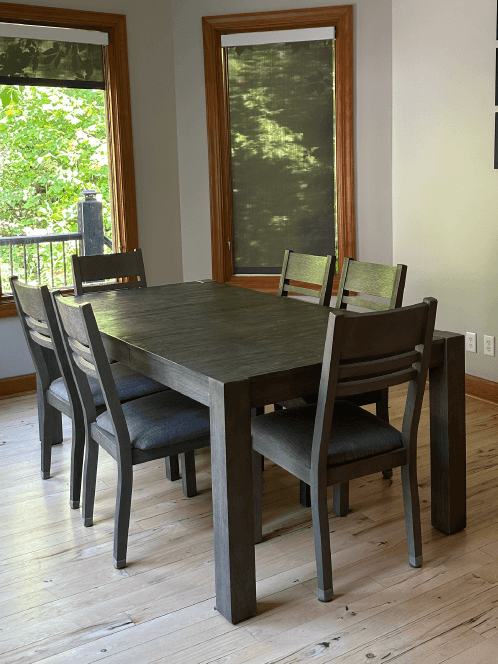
[(36, 55)]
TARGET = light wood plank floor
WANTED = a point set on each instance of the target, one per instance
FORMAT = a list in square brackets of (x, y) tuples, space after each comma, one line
[(61, 600)]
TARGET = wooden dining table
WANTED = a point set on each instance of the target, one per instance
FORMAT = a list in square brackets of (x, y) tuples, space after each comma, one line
[(233, 350)]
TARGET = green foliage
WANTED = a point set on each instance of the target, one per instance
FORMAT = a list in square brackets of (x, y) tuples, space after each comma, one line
[(52, 146)]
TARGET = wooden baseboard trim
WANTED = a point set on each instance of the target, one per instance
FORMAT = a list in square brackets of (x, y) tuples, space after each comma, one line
[(17, 386), (481, 388)]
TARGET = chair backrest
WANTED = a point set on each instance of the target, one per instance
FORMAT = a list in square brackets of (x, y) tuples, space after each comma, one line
[(365, 353), (41, 330), (87, 357), (90, 269), (382, 281), (307, 269)]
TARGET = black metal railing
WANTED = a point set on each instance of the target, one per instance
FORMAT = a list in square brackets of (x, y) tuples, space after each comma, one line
[(46, 258)]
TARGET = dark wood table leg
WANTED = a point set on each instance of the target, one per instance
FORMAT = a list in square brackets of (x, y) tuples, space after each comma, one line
[(231, 464), (448, 447)]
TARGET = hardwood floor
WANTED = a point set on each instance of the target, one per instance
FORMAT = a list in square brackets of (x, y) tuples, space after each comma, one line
[(62, 602)]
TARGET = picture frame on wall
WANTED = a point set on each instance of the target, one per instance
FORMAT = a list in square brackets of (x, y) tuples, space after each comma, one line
[(496, 140), (496, 79)]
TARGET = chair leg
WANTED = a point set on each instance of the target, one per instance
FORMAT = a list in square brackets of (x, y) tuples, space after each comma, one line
[(89, 481), (382, 411), (257, 480), (122, 517), (172, 468), (304, 494), (412, 514), (341, 499), (189, 480), (77, 454), (50, 427), (321, 536)]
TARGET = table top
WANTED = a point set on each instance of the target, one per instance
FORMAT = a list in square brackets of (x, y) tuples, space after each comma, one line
[(199, 330), (219, 331)]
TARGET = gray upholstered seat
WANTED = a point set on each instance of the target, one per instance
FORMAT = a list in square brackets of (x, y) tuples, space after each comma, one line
[(130, 385), (356, 434), (162, 419)]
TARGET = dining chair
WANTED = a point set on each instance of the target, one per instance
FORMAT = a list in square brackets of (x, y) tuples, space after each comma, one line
[(89, 273), (335, 440), (299, 272), (56, 389), (385, 283), (303, 269), (141, 430), (359, 283)]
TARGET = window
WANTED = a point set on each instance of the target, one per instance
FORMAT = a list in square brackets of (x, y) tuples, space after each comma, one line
[(225, 172), (117, 99)]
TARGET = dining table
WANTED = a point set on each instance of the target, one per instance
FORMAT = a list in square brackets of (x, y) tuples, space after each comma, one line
[(235, 350)]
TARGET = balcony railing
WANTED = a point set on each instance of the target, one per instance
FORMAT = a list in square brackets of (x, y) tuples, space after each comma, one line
[(46, 258)]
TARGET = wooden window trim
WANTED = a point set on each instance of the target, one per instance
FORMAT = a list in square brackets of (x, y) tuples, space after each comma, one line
[(118, 110), (219, 131)]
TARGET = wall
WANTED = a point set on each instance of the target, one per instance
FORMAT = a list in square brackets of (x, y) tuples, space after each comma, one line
[(372, 25), (150, 54), (444, 185)]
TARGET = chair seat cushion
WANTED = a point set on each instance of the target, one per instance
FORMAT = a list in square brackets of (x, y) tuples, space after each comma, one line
[(299, 401), (130, 385), (356, 434), (161, 419)]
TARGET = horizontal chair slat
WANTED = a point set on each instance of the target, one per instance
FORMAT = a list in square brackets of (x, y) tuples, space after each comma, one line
[(366, 304), (95, 288), (42, 339), (85, 366), (80, 350), (395, 363), (300, 290), (377, 383)]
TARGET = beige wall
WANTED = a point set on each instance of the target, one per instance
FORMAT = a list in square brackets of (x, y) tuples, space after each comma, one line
[(444, 184), (372, 25)]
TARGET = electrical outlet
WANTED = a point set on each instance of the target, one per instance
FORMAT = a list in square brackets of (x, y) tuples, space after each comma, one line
[(471, 342), (489, 345)]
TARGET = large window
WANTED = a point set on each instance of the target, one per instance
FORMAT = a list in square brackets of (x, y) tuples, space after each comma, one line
[(117, 101), (280, 140)]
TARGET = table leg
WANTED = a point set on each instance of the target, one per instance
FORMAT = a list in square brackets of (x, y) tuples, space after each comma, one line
[(231, 469), (448, 448)]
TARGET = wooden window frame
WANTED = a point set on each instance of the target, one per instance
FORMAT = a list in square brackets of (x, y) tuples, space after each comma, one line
[(118, 112), (218, 129)]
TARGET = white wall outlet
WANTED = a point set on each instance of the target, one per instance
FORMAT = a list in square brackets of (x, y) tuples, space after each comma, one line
[(489, 345), (471, 342)]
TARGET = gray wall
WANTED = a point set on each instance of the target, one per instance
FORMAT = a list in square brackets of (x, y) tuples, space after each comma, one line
[(445, 187), (150, 54), (372, 25)]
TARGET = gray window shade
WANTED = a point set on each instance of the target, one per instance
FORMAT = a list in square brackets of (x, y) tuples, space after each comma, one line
[(25, 61), (281, 101)]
